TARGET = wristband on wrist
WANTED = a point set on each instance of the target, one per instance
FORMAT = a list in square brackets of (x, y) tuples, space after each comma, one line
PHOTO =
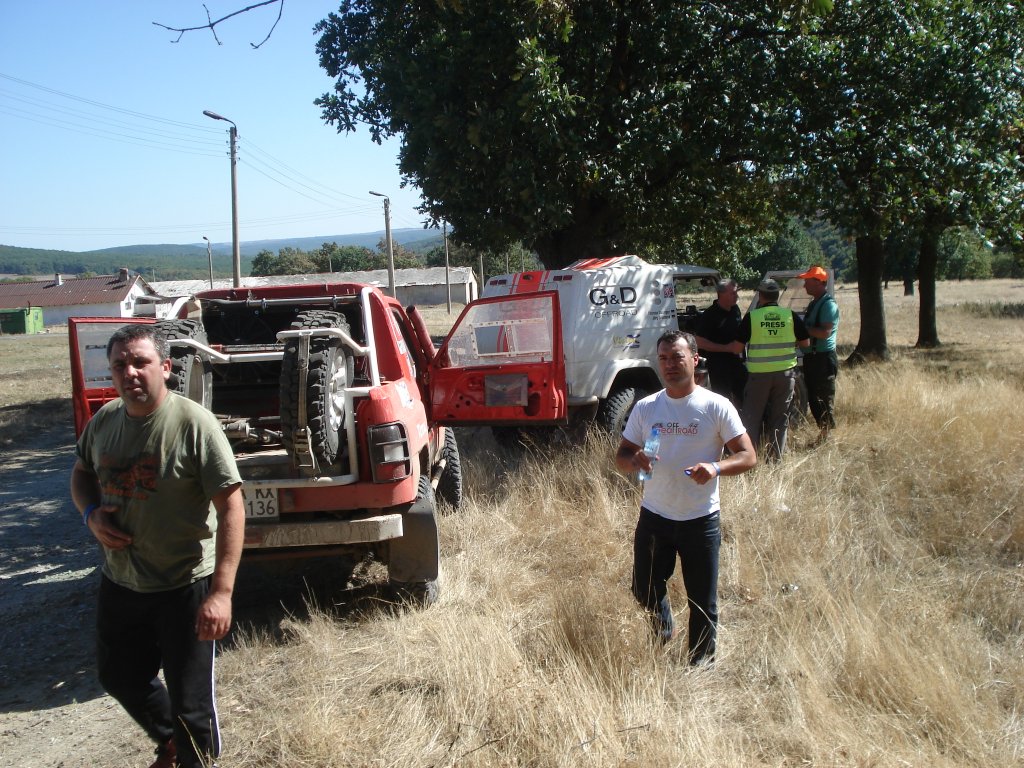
[(89, 509), (718, 469)]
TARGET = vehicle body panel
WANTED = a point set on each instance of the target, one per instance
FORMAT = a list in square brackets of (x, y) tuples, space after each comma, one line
[(502, 363), (613, 310)]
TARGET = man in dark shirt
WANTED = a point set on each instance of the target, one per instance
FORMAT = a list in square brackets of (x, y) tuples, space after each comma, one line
[(716, 329)]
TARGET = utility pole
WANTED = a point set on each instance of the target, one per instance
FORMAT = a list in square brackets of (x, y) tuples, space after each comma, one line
[(447, 273), (236, 255), (209, 255), (387, 236)]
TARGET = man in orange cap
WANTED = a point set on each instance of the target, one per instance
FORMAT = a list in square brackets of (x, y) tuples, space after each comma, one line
[(820, 362)]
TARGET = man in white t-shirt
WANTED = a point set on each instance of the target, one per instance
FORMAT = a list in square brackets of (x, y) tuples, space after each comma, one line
[(679, 515)]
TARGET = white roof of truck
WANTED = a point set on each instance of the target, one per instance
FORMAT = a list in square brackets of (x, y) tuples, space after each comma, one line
[(630, 260)]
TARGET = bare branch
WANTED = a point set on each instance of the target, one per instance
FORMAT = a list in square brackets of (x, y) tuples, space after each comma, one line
[(211, 24), (280, 10)]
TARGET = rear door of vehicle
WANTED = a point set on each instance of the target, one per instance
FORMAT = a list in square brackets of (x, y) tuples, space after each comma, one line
[(91, 385), (502, 363)]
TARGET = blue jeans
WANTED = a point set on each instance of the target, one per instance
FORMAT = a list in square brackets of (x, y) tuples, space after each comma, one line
[(656, 544)]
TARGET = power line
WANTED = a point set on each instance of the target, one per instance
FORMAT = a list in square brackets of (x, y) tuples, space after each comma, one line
[(131, 127), (86, 131), (142, 115), (299, 175), (48, 110)]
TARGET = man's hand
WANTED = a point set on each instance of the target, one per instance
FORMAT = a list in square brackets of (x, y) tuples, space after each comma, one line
[(630, 458), (642, 462), (701, 473), (214, 618), (101, 523)]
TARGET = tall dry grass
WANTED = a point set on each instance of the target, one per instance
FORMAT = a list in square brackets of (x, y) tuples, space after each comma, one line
[(872, 599)]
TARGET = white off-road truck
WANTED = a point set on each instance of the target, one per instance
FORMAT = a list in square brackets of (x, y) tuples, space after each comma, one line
[(613, 310)]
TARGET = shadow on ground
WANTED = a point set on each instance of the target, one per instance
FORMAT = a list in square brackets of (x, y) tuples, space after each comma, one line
[(269, 593)]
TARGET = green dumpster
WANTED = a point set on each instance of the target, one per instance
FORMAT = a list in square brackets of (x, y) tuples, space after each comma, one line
[(21, 320)]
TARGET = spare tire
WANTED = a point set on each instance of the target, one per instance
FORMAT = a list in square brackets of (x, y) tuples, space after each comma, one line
[(191, 375), (329, 373)]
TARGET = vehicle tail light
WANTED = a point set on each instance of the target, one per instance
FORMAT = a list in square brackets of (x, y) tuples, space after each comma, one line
[(389, 453)]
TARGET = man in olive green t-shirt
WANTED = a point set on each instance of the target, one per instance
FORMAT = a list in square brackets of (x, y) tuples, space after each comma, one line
[(157, 486)]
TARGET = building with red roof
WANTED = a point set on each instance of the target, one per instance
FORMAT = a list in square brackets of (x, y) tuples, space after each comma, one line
[(70, 296)]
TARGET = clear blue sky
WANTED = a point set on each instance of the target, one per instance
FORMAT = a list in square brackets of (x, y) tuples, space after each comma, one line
[(103, 141)]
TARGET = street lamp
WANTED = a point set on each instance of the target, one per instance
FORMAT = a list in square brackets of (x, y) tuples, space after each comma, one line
[(387, 236), (209, 255), (236, 257)]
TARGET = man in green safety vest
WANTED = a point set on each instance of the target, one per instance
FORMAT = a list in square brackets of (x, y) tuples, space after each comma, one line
[(771, 334)]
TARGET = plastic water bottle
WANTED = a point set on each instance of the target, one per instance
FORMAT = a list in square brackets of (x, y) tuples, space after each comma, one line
[(651, 449)]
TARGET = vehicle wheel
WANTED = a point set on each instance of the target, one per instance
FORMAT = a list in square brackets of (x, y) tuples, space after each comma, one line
[(418, 594), (614, 412), (329, 373), (449, 485), (414, 560), (191, 376)]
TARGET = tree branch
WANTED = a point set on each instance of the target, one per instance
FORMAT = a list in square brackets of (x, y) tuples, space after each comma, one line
[(211, 24)]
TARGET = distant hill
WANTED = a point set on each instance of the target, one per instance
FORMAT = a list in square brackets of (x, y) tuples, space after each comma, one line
[(410, 238), (184, 261)]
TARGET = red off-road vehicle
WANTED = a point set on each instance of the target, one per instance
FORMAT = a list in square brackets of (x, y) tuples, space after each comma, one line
[(339, 409)]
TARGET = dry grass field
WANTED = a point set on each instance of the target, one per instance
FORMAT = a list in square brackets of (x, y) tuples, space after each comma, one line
[(872, 593)]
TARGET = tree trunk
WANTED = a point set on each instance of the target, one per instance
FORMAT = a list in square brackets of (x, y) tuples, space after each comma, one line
[(872, 344), (908, 286), (592, 233), (927, 261)]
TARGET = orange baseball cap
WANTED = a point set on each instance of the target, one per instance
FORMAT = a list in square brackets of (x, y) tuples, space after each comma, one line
[(815, 273)]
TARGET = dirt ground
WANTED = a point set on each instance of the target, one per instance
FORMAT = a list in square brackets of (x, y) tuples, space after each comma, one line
[(53, 714)]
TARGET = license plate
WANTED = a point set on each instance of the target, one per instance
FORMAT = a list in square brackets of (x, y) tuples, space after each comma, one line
[(260, 503)]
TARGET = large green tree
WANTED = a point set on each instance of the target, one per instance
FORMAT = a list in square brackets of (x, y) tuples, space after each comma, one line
[(576, 128), (331, 257), (794, 248), (903, 112), (288, 261), (966, 170)]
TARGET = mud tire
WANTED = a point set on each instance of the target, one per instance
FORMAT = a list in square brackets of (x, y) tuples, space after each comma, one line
[(330, 372), (449, 485), (191, 376), (614, 411)]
